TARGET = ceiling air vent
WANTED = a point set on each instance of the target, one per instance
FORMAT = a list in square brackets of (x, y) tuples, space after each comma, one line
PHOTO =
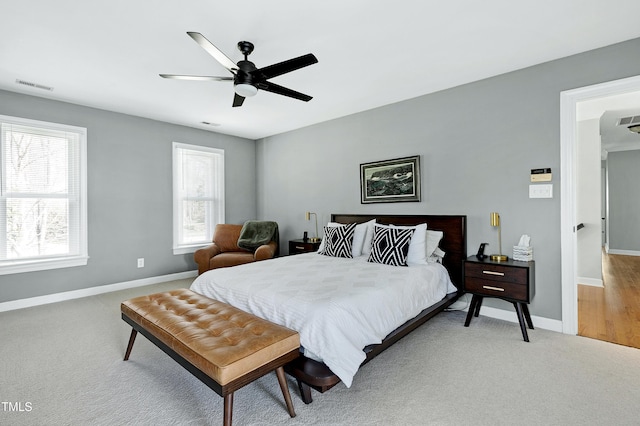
[(34, 85), (632, 123), (626, 121)]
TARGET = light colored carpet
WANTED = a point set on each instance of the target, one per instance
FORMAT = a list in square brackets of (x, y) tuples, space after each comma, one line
[(65, 360)]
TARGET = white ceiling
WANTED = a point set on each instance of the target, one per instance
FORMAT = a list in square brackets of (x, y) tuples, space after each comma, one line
[(609, 110), (108, 54)]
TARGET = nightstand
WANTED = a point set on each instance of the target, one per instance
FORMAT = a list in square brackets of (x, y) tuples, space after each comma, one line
[(302, 246), (511, 280)]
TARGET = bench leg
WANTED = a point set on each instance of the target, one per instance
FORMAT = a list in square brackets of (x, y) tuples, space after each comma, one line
[(132, 339), (228, 409), (285, 390)]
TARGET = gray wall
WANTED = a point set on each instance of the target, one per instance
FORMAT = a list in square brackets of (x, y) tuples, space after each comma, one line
[(478, 143), (130, 194), (623, 170)]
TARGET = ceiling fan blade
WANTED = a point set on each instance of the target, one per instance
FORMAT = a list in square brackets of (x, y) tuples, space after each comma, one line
[(284, 67), (214, 51), (196, 77), (274, 88), (237, 100)]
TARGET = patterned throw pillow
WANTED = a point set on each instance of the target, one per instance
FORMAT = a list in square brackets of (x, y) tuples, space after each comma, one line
[(390, 246), (338, 241)]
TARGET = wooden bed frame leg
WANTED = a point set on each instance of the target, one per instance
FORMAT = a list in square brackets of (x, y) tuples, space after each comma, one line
[(305, 392), (132, 339), (285, 390), (228, 409)]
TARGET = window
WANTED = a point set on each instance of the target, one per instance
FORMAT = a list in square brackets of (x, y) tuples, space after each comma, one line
[(198, 195), (43, 202)]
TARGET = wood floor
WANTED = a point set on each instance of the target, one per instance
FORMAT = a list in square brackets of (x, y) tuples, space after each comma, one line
[(612, 313)]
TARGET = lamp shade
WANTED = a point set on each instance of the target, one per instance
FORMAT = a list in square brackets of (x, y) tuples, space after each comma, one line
[(495, 219)]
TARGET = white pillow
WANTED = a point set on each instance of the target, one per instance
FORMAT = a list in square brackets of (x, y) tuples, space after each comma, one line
[(368, 238), (433, 240), (437, 256), (418, 248), (361, 237)]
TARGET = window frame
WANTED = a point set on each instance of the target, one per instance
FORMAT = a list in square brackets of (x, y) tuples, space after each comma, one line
[(218, 175), (78, 199)]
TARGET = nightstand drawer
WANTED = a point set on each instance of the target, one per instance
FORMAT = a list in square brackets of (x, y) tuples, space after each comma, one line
[(495, 288), (301, 246), (498, 273)]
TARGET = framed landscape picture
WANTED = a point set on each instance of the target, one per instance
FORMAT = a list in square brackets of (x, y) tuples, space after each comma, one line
[(390, 181)]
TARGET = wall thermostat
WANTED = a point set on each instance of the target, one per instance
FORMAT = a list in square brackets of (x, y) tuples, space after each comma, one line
[(541, 175)]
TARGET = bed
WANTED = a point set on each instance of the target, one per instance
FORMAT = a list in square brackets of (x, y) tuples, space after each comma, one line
[(317, 295)]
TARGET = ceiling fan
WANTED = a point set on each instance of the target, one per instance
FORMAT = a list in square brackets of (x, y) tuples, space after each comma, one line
[(247, 79)]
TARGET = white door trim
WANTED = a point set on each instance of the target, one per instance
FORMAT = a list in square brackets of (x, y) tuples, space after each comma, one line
[(568, 106)]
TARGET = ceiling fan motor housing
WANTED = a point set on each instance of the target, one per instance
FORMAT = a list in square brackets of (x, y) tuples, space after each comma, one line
[(244, 76)]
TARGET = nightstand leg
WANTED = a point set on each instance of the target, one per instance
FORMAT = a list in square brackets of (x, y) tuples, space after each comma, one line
[(527, 316), (478, 305), (518, 307), (472, 309)]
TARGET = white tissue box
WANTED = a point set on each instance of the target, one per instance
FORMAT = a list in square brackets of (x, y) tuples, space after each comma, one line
[(523, 253)]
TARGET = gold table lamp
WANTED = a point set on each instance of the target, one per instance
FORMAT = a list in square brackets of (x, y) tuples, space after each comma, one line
[(307, 216), (495, 222)]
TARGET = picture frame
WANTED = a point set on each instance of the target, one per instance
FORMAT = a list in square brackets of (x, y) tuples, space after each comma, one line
[(390, 181)]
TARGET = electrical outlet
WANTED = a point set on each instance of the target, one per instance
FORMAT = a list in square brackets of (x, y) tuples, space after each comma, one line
[(141, 262)]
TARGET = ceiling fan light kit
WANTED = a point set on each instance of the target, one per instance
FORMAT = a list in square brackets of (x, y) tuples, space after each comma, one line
[(247, 78), (245, 90), (635, 128)]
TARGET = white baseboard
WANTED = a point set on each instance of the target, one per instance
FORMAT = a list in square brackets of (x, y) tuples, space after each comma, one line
[(538, 322), (594, 282), (91, 291), (624, 252)]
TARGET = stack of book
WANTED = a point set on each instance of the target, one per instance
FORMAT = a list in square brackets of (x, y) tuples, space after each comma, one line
[(523, 253)]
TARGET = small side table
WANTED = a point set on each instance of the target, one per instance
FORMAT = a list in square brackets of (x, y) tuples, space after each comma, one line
[(303, 246), (511, 280)]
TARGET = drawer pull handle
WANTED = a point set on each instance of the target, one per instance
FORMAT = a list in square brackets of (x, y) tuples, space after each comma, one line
[(493, 273), (300, 248), (488, 287)]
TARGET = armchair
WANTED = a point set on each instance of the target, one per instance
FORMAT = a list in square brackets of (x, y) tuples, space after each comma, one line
[(225, 252)]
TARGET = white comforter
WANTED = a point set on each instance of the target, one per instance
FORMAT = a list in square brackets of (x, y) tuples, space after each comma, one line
[(338, 305)]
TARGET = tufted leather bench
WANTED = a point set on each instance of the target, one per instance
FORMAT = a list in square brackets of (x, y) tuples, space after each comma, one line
[(224, 347)]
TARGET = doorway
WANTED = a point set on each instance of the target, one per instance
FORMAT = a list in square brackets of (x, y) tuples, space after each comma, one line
[(569, 101)]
